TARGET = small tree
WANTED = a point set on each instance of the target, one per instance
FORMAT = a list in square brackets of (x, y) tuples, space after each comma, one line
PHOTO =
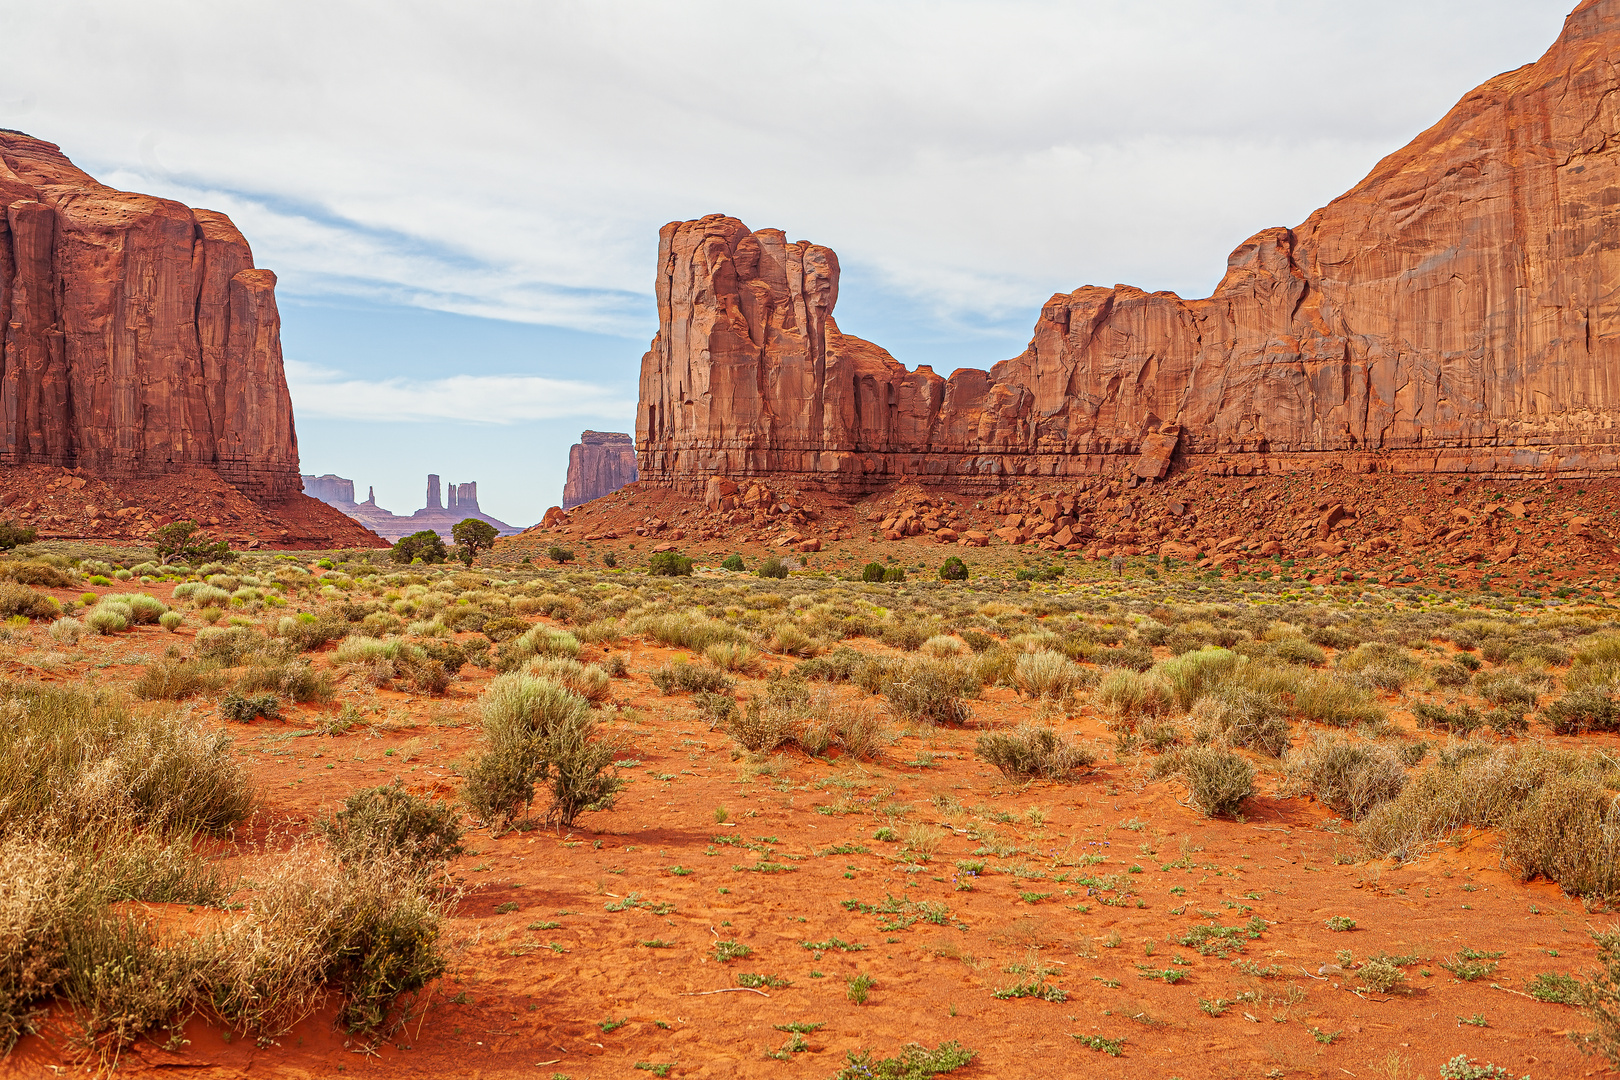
[(184, 541), (424, 545), (733, 562), (559, 554), (12, 534), (872, 571), (472, 536), (669, 564), (953, 570)]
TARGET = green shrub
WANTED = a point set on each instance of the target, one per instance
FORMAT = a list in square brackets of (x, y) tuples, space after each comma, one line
[(894, 574), (734, 563), (108, 619), (1601, 997), (1348, 777), (954, 569), (669, 564), (559, 554), (1043, 572), (772, 567), (425, 545), (1591, 709), (505, 628), (390, 823), (171, 620), (537, 732), (245, 708), (916, 1062), (1218, 781), (13, 535), (691, 678), (872, 571), (1031, 750)]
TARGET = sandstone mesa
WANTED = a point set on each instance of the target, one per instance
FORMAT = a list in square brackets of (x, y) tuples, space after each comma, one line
[(1456, 311), (140, 341)]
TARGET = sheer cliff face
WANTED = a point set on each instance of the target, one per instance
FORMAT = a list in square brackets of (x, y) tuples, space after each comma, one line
[(139, 339), (599, 464), (1458, 310)]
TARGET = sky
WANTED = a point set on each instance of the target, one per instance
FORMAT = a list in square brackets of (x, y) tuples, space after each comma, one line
[(462, 201)]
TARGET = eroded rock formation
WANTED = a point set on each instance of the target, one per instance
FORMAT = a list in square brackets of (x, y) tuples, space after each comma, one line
[(140, 339), (599, 464), (338, 492), (1458, 310)]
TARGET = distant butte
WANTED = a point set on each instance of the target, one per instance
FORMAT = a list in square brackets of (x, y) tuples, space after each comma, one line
[(1458, 311), (460, 503), (599, 464)]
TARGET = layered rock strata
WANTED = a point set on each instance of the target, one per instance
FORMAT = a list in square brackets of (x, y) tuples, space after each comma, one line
[(599, 464), (139, 338), (1457, 311)]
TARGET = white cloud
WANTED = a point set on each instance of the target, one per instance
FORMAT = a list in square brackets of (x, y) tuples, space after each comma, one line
[(482, 399), (516, 159)]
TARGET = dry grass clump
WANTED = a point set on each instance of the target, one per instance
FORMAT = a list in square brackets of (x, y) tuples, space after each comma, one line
[(687, 631), (1033, 750), (1189, 676), (1600, 997), (1131, 696), (1590, 708), (82, 756), (587, 680), (1046, 674), (943, 646), (1218, 781), (368, 928), (172, 680), (931, 691), (538, 640), (1241, 716), (1480, 788), (18, 600), (1381, 664), (846, 665), (734, 656), (1567, 831), (1347, 776), (819, 722)]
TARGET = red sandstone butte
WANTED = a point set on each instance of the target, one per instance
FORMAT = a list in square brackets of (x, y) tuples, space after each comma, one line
[(140, 340), (599, 464), (1456, 311)]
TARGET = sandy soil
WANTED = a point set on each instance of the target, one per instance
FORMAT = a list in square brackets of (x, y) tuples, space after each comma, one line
[(593, 953)]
